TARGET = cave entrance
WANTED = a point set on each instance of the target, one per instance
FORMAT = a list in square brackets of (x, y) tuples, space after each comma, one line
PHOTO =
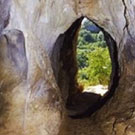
[(65, 65), (93, 59)]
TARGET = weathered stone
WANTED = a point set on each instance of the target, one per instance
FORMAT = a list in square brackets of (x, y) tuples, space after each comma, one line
[(4, 14), (38, 66), (81, 102)]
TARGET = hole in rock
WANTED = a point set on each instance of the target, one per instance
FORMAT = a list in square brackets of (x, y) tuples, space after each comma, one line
[(93, 59), (83, 57)]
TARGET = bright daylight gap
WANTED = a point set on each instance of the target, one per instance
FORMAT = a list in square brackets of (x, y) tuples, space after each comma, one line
[(94, 63)]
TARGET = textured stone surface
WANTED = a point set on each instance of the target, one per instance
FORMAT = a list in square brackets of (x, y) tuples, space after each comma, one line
[(38, 66)]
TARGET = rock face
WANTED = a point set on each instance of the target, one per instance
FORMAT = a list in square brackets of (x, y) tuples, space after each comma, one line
[(38, 66)]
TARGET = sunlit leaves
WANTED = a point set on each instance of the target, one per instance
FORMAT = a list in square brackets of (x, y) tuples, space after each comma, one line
[(93, 57)]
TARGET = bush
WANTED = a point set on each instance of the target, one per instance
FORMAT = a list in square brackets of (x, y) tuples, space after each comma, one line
[(93, 58)]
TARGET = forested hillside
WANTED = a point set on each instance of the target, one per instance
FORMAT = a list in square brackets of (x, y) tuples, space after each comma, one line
[(93, 56)]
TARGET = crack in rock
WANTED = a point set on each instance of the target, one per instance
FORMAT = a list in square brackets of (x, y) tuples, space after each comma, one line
[(113, 127), (126, 19)]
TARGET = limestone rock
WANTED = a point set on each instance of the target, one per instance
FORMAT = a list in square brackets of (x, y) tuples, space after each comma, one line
[(81, 102), (38, 66)]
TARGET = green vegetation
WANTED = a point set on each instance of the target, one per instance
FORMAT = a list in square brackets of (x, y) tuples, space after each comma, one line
[(93, 56)]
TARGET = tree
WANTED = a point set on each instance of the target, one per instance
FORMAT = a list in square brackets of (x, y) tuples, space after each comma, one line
[(93, 57)]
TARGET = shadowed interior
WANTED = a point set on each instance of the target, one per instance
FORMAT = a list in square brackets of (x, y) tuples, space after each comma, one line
[(65, 68)]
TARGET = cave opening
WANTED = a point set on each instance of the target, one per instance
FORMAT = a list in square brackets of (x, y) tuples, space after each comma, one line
[(93, 59), (65, 65)]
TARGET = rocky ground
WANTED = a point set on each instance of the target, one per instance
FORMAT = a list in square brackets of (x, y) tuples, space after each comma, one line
[(98, 89)]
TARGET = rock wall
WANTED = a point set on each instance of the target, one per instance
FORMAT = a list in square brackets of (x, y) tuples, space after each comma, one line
[(35, 80)]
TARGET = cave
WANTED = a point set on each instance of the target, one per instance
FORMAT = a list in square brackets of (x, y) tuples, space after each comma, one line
[(64, 64), (38, 64)]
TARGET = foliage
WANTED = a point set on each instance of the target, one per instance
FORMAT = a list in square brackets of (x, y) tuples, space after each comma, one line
[(93, 57)]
